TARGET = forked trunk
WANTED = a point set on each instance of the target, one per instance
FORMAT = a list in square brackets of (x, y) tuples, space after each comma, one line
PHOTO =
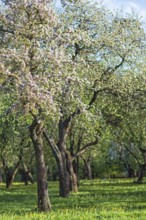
[(65, 170), (10, 175), (36, 134), (26, 174)]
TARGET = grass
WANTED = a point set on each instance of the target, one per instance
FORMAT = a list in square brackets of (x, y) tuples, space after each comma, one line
[(100, 200)]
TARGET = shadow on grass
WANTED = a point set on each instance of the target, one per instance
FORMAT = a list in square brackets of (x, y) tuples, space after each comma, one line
[(23, 199), (13, 202)]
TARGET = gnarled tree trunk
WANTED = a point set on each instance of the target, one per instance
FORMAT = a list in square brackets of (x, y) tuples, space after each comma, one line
[(59, 151), (36, 134)]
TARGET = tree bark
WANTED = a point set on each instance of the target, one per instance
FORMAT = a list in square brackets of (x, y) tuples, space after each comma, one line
[(59, 152), (10, 175), (1, 177), (88, 171), (64, 178), (72, 175), (36, 134), (26, 174), (77, 164), (67, 177), (130, 170), (141, 173), (10, 172)]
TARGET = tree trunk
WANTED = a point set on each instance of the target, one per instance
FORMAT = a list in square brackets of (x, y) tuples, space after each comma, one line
[(1, 177), (77, 169), (72, 175), (130, 173), (26, 174), (55, 175), (10, 172), (130, 170), (60, 153), (10, 175), (64, 179), (60, 157), (88, 171), (141, 173), (36, 134)]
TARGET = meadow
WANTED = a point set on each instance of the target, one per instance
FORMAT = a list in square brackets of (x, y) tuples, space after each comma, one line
[(118, 199)]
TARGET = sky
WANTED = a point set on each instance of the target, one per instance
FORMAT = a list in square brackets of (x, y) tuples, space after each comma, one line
[(138, 6), (128, 6)]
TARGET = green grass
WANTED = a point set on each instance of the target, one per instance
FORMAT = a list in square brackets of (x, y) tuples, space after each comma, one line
[(99, 200)]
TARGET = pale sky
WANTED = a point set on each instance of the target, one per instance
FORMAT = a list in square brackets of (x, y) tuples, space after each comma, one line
[(128, 6), (138, 6)]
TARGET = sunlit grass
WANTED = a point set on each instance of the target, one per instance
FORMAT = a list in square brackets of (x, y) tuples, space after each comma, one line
[(97, 199)]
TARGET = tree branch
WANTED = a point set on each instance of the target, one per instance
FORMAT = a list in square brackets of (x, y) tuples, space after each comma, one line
[(132, 154), (52, 144), (81, 151)]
